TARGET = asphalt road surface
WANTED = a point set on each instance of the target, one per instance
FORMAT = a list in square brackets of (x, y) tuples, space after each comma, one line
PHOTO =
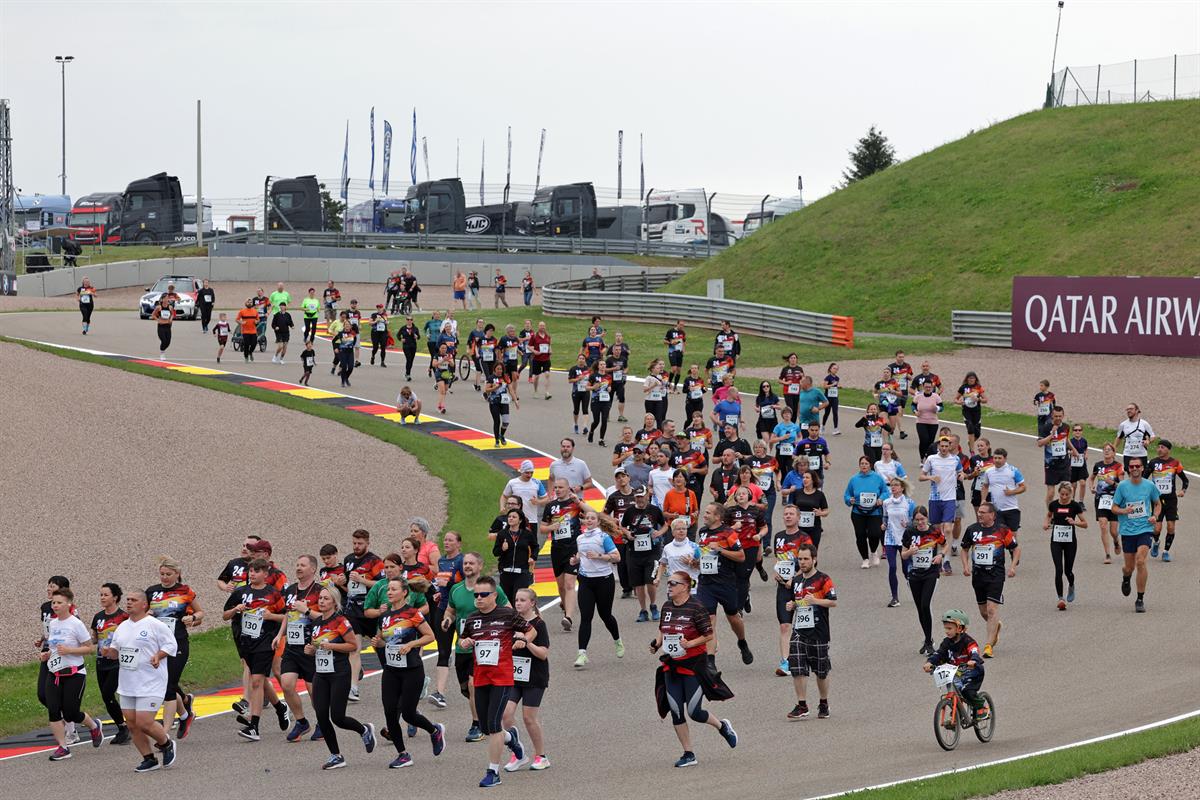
[(1058, 677)]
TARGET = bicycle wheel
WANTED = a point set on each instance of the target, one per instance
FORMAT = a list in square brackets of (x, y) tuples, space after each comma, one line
[(464, 366), (985, 728), (945, 725)]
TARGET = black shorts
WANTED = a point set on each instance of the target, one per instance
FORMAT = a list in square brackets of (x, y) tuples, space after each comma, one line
[(1170, 508), (806, 658), (641, 568), (1011, 519), (529, 696), (1103, 513), (363, 626), (1079, 473), (675, 359), (294, 660), (724, 595), (539, 367), (512, 367), (222, 340), (783, 596), (259, 661), (1057, 473), (282, 337), (464, 668), (988, 589), (560, 561)]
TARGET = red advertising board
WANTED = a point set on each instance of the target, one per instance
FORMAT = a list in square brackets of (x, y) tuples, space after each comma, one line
[(1136, 316)]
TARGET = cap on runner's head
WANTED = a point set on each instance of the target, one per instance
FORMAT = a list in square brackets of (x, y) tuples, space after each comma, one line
[(954, 615), (261, 546), (526, 466), (1165, 443), (681, 435), (619, 471), (640, 491)]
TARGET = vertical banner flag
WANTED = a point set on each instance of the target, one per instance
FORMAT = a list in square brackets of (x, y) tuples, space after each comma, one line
[(387, 153), (641, 169), (508, 169), (541, 148), (371, 179), (482, 160), (425, 155), (412, 155), (346, 165), (620, 145)]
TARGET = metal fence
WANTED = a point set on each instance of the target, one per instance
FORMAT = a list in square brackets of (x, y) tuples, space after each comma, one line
[(610, 298), (1138, 81), (982, 328)]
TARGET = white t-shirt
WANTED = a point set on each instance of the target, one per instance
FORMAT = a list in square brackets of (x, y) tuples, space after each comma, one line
[(660, 484), (1136, 434), (144, 638), (412, 398), (575, 471), (897, 512), (887, 469), (528, 491), (674, 552), (69, 632), (592, 541), (945, 470), (1001, 478)]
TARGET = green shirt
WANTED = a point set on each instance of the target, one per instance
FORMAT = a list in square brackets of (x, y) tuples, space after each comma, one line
[(462, 600), (377, 596), (311, 306), (279, 297)]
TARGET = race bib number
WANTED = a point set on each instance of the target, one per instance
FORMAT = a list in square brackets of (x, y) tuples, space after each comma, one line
[(889, 399), (395, 658), (1062, 533), (618, 375), (866, 499), (708, 564), (355, 589), (1165, 484), (309, 361), (165, 313), (86, 299), (764, 481), (521, 665), (1058, 448), (808, 519), (295, 632), (543, 349), (875, 439), (786, 448), (641, 542), (673, 645), (252, 624), (805, 616), (793, 388), (731, 419), (696, 394), (943, 675), (324, 661), (381, 326), (832, 391), (902, 382), (1104, 502), (768, 412), (984, 555), (785, 569), (128, 658), (814, 463), (970, 400), (1137, 509), (504, 400), (489, 354), (603, 397), (675, 348), (923, 558), (55, 662), (1077, 461), (1043, 409), (487, 652), (655, 395), (563, 531)]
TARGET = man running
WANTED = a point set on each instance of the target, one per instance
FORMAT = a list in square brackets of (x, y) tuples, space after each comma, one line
[(310, 306), (363, 568), (300, 602), (259, 608), (943, 470), (281, 324), (720, 554), (1058, 452), (561, 519), (460, 606), (984, 543), (901, 372), (571, 469), (1136, 432), (676, 341), (813, 596), (1163, 471), (643, 526), (330, 297), (1001, 484), (1137, 503)]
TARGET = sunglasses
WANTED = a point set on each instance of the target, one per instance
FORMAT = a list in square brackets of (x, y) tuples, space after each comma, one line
[(676, 583), (483, 594)]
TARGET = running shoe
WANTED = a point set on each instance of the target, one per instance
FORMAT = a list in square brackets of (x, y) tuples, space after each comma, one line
[(1154, 549), (1125, 587), (947, 569), (72, 734), (926, 649), (188, 700), (620, 646), (799, 712), (97, 734), (866, 564), (60, 754), (762, 573), (747, 656), (514, 743), (250, 732), (874, 559), (654, 612), (284, 715), (903, 435), (490, 779), (1166, 555), (728, 733), (621, 419), (122, 736), (298, 730), (576, 433), (242, 720), (781, 670), (987, 651), (185, 726), (539, 763), (149, 764), (836, 432), (626, 594), (241, 706), (566, 623), (1062, 604), (746, 605), (1071, 593), (515, 764), (1139, 606), (602, 443), (954, 550), (401, 761), (474, 734), (168, 754), (823, 709), (438, 699), (368, 737), (384, 733), (688, 759), (438, 738), (643, 616), (317, 735), (411, 731), (893, 602), (334, 762), (353, 697), (581, 660)]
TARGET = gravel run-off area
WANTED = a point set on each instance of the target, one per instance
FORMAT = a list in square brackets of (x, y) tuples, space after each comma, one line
[(1169, 778), (1091, 388), (107, 470)]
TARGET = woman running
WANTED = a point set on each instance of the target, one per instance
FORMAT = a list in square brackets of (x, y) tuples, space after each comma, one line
[(1106, 474), (443, 371), (898, 510), (1079, 467), (655, 387), (680, 502), (700, 436), (104, 624), (831, 386), (498, 397), (87, 303), (577, 377), (175, 605), (684, 631), (977, 467), (924, 547), (164, 315), (403, 631), (449, 573), (889, 399), (143, 644), (783, 436), (766, 476), (333, 639), (768, 405), (417, 573), (515, 550), (888, 465), (600, 389), (1063, 516), (749, 522), (531, 677), (864, 496), (694, 388), (596, 554), (812, 506), (874, 425), (972, 398), (789, 383), (346, 343), (927, 403), (68, 641)]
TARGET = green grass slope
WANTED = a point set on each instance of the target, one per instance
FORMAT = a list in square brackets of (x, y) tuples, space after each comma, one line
[(1107, 190)]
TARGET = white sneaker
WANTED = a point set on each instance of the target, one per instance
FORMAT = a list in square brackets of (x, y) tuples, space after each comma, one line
[(281, 360), (836, 432), (353, 696), (866, 564), (581, 660), (275, 359), (71, 734), (874, 559)]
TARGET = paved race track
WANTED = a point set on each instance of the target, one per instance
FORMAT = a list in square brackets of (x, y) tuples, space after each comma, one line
[(1057, 678)]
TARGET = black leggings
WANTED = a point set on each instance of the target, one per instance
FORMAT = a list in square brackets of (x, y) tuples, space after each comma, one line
[(659, 409), (64, 697), (329, 694), (401, 690), (1063, 555), (684, 695), (175, 665), (499, 419), (832, 408), (873, 453), (600, 412), (926, 433), (868, 532), (379, 345), (43, 678), (410, 354), (164, 337), (579, 403), (744, 569), (690, 407), (792, 401), (623, 566), (444, 639), (973, 419), (86, 310), (922, 592), (107, 680), (490, 702), (310, 328), (205, 315), (511, 581), (595, 595), (346, 363)]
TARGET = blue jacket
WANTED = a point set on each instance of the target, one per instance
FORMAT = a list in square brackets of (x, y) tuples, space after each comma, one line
[(871, 483)]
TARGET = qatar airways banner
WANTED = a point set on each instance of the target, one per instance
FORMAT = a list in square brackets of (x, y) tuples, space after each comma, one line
[(1136, 316)]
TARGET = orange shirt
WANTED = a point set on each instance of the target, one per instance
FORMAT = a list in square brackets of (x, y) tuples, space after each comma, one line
[(248, 317), (677, 502)]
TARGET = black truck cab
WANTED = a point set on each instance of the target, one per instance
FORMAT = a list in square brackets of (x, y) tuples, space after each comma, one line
[(152, 210), (296, 205), (436, 207), (565, 210)]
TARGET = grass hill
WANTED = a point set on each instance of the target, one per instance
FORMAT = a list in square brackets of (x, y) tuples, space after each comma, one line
[(1106, 190)]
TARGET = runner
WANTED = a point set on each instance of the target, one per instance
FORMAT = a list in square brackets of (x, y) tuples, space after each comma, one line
[(832, 387), (490, 633), (333, 638), (814, 595), (206, 298), (67, 642), (901, 373), (813, 450), (972, 398), (962, 651), (765, 470), (300, 601), (475, 339), (176, 606), (874, 424), (496, 393), (561, 522), (594, 559), (721, 556), (984, 543), (898, 512), (330, 298), (1106, 474), (681, 501), (333, 331), (812, 402), (1137, 503), (888, 466), (864, 496), (717, 368), (531, 677), (685, 632), (643, 525), (310, 307), (1058, 451), (676, 341), (811, 505), (55, 583), (408, 334), (87, 304), (926, 376), (164, 315), (221, 330), (308, 360), (462, 605), (363, 569), (526, 351), (890, 400), (924, 547), (281, 324), (515, 549), (789, 383), (680, 554), (540, 344), (592, 346), (346, 343), (509, 346), (616, 366), (656, 389), (600, 388), (927, 403), (500, 283), (1163, 471), (750, 524), (527, 288), (943, 471), (379, 335), (259, 608), (784, 547), (768, 405), (783, 436), (1079, 467), (693, 389), (141, 645), (473, 287), (1044, 403), (1002, 483), (449, 574), (577, 376), (1063, 516), (104, 624), (443, 370), (403, 631), (977, 467), (460, 288), (1137, 433)]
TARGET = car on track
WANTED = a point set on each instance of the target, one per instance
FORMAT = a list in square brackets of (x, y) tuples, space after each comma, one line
[(186, 286)]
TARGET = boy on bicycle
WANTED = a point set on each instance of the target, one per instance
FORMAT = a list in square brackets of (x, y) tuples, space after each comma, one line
[(961, 650)]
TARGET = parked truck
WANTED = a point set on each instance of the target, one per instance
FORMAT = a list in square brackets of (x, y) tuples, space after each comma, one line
[(565, 210), (152, 211), (95, 218), (295, 204), (679, 216), (189, 217), (770, 211)]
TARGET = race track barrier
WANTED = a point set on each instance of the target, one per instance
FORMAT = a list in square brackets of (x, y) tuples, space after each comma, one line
[(982, 328)]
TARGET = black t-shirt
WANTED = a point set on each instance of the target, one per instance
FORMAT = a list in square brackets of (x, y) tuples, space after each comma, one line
[(574, 372), (617, 363), (740, 446), (723, 481), (236, 571), (617, 503), (206, 297), (1059, 514), (816, 585), (623, 449), (266, 598), (639, 522), (691, 386), (810, 502), (711, 540), (510, 348), (408, 336), (281, 322), (293, 593), (539, 668)]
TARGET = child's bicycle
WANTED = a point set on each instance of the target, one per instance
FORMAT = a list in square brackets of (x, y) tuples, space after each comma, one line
[(953, 714)]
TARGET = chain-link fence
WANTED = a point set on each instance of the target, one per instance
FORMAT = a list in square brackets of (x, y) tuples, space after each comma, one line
[(1138, 81)]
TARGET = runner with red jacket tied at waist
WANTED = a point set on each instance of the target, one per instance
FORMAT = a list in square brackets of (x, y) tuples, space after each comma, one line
[(721, 554)]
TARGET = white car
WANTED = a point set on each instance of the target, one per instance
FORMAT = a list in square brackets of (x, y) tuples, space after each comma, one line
[(186, 286)]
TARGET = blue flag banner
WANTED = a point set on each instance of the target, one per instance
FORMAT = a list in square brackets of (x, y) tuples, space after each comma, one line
[(371, 178), (387, 153), (412, 156), (346, 165)]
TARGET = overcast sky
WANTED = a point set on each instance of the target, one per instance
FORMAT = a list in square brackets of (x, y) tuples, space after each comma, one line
[(736, 97)]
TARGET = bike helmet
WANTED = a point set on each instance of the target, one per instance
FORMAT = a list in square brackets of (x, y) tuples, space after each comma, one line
[(954, 615)]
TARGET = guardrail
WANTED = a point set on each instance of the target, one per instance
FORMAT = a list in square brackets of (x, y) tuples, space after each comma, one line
[(610, 299), (982, 328), (497, 244)]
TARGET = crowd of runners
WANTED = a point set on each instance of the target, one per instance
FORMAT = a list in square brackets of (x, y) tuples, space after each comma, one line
[(701, 501)]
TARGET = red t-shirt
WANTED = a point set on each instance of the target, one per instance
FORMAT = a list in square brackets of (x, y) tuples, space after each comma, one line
[(536, 342), (492, 634)]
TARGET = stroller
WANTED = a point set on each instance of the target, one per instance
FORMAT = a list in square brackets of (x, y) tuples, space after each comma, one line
[(262, 338)]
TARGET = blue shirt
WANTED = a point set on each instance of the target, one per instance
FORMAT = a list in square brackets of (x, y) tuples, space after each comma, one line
[(1129, 495), (725, 409), (813, 397), (789, 429), (793, 480), (871, 484)]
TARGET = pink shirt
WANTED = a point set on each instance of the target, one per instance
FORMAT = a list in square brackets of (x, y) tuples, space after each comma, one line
[(927, 407), (428, 554)]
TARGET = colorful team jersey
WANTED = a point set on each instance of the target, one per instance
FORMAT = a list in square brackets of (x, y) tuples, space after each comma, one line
[(327, 574), (171, 605), (747, 522), (958, 652), (104, 625), (987, 546), (1044, 402), (1163, 472), (970, 395), (901, 375), (764, 470), (789, 380), (252, 629), (236, 572), (397, 628), (370, 565), (492, 637), (565, 516), (1108, 476), (715, 567), (928, 543), (683, 623), (299, 623), (811, 622), (889, 393), (331, 631), (787, 544)]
